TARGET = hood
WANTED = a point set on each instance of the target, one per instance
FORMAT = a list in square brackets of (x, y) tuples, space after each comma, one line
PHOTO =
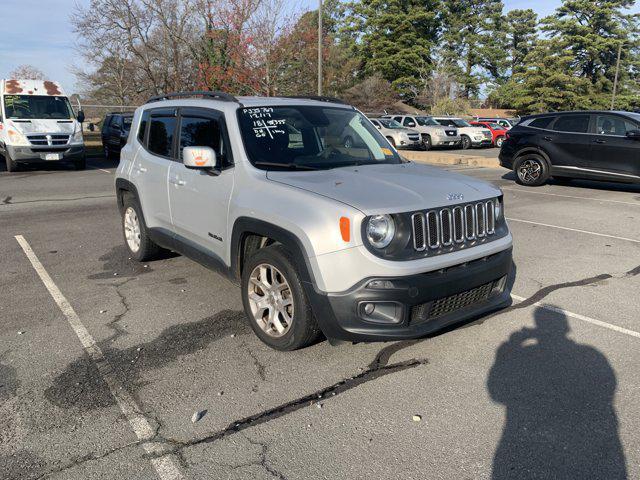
[(474, 129), (387, 188), (44, 126)]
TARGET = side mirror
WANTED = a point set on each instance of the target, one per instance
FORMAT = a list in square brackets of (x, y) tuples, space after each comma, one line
[(92, 127), (378, 127), (201, 158), (80, 116), (633, 134), (411, 124)]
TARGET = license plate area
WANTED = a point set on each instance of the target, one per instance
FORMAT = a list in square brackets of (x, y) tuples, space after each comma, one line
[(52, 156)]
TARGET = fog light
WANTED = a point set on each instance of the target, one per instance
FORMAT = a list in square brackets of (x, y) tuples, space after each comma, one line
[(381, 312), (498, 286), (380, 284), (369, 308)]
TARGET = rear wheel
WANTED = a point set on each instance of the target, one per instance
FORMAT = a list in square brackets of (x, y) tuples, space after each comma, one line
[(136, 234), (12, 166), (466, 142), (275, 301), (531, 170)]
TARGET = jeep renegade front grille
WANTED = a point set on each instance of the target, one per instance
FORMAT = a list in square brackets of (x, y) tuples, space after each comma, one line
[(447, 227)]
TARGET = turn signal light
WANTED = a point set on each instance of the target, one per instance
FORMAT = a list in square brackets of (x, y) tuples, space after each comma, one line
[(345, 229)]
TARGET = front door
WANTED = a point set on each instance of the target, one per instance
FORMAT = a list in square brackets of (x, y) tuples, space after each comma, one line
[(199, 199), (612, 151)]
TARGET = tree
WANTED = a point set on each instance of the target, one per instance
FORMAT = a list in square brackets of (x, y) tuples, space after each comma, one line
[(394, 38), (27, 72), (373, 94), (473, 43), (521, 28)]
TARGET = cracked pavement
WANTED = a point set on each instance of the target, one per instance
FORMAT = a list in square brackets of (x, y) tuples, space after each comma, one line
[(176, 339)]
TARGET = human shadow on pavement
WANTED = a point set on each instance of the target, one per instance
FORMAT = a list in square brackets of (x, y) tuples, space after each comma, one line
[(558, 394)]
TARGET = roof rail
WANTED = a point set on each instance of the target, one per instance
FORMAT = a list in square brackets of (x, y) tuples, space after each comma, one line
[(225, 97), (319, 98)]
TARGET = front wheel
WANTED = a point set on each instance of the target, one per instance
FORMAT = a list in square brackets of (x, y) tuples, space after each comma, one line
[(531, 170), (136, 234), (426, 142), (466, 142), (12, 166), (275, 301), (499, 142)]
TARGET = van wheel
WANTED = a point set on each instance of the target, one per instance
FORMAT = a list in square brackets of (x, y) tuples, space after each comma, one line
[(466, 142), (275, 302), (531, 170), (12, 166), (136, 236)]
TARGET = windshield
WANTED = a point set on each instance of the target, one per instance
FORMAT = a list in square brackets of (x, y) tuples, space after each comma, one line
[(426, 121), (37, 106), (311, 138), (388, 123), (460, 123)]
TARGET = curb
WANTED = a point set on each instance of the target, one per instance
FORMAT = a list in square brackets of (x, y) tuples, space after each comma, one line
[(439, 158)]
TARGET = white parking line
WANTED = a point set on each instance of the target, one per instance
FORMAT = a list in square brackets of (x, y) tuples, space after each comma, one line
[(574, 230), (594, 199), (577, 316), (165, 465), (102, 170)]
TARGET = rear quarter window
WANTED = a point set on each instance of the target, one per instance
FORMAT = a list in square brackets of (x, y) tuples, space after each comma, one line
[(161, 133), (542, 122)]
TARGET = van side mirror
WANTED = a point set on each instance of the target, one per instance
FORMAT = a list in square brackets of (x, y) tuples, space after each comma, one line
[(633, 134), (199, 158), (80, 116)]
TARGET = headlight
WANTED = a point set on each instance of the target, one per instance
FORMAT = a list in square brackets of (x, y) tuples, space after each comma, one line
[(440, 132), (404, 136), (380, 230), (17, 138), (498, 209), (77, 137)]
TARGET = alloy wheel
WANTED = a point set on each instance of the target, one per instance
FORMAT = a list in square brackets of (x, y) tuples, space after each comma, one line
[(529, 171), (132, 229), (270, 300)]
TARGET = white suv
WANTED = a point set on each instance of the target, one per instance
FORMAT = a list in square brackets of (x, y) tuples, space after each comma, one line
[(353, 243), (471, 136), (433, 134)]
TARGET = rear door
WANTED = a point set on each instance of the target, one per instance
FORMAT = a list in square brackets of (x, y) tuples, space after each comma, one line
[(199, 199), (150, 170), (568, 142), (612, 150)]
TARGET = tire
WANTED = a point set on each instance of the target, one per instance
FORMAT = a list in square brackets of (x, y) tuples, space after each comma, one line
[(531, 170), (465, 142), (392, 141), (426, 142), (295, 318), (80, 164), (12, 166), (147, 249), (348, 142), (499, 142)]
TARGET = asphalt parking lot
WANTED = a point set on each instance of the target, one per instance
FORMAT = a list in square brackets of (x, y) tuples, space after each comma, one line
[(548, 388)]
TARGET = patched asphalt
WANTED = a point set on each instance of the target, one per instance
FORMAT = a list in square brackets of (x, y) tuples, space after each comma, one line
[(522, 393)]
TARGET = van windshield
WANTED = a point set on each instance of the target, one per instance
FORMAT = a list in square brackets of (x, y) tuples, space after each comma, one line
[(311, 138), (37, 106)]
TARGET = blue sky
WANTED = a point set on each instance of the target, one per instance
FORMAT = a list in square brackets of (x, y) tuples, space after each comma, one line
[(38, 32)]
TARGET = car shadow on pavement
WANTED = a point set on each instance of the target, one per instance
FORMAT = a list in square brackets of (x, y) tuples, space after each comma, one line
[(583, 183), (558, 394)]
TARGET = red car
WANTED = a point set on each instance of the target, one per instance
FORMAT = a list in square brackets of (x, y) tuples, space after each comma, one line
[(498, 132)]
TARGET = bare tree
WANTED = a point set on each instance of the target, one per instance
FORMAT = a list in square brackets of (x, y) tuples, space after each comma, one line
[(27, 72)]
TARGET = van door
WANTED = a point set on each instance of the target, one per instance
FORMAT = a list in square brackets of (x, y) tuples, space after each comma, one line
[(200, 200), (150, 170)]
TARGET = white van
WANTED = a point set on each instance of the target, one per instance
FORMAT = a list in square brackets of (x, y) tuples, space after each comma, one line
[(38, 124)]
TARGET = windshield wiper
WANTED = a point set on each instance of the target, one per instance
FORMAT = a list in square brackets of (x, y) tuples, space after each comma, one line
[(293, 166)]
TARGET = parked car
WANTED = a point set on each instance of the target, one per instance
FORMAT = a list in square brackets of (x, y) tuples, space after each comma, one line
[(498, 132), (37, 124), (506, 123), (432, 133), (115, 130), (397, 135), (597, 145), (470, 136), (353, 243)]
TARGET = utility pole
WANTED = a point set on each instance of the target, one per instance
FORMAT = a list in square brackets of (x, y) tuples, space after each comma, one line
[(615, 79), (319, 47)]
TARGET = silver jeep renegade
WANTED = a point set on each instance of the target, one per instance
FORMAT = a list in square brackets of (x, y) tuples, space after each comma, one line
[(350, 243)]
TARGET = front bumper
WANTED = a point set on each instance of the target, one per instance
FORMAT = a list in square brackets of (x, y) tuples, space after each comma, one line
[(408, 144), (484, 142), (31, 154), (419, 304), (445, 141)]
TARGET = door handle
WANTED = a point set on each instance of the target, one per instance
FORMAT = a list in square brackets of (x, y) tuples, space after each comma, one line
[(599, 141), (547, 138)]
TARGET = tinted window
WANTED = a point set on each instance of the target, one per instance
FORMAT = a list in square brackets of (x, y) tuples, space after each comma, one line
[(201, 132), (161, 133), (398, 119), (142, 129), (613, 125), (375, 122), (572, 123), (542, 122), (408, 122)]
